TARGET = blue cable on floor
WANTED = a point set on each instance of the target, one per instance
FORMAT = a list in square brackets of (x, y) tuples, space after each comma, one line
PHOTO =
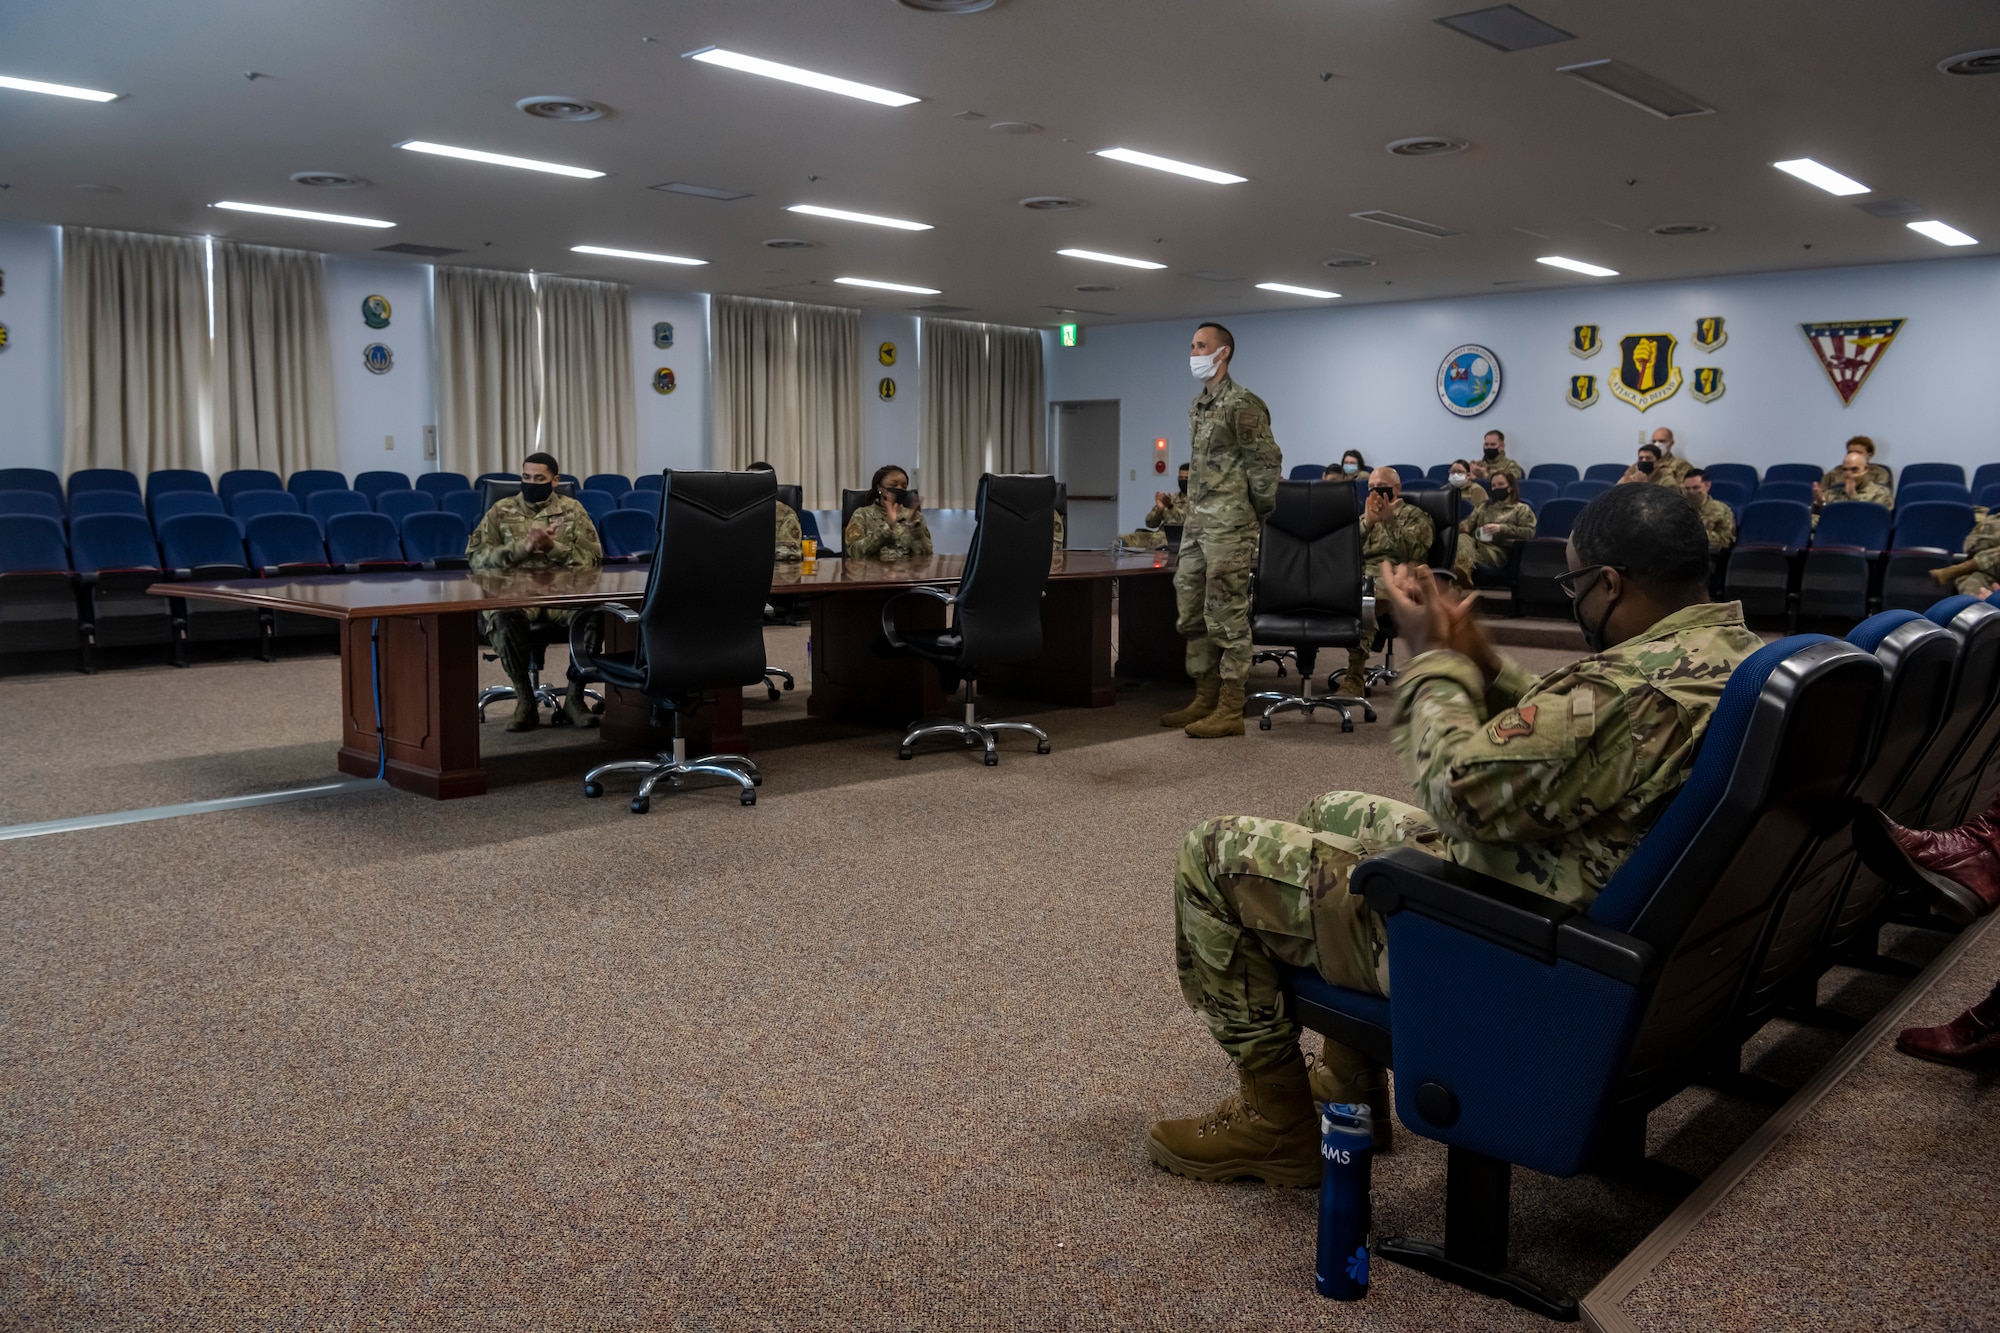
[(375, 669)]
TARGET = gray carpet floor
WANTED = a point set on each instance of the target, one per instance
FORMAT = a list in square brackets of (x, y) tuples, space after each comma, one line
[(878, 1053)]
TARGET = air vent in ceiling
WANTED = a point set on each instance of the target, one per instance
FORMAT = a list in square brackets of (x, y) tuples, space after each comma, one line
[(90, 187), (426, 251), (1894, 209), (1637, 88), (1971, 62), (1682, 229), (940, 309), (1401, 223), (1015, 127), (561, 108), (950, 6), (1347, 259), (1094, 287), (790, 243), (1506, 28), (1209, 275), (700, 191), (329, 180), (1051, 203), (1426, 145), (1079, 310)]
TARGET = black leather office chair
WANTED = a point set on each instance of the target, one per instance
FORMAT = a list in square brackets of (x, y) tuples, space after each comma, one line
[(1308, 590), (1442, 506), (701, 626), (849, 502), (541, 633), (997, 610), (781, 610)]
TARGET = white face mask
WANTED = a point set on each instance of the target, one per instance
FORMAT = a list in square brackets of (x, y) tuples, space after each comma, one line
[(1458, 479), (1203, 367)]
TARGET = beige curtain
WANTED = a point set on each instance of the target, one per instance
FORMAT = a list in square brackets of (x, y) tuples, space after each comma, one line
[(488, 374), (135, 350), (273, 396), (588, 419), (982, 407), (788, 392)]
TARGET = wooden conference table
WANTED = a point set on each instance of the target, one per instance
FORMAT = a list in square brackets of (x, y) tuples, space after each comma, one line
[(428, 643)]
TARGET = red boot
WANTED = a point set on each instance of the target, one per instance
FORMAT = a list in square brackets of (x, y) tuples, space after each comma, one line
[(1961, 864), (1971, 1040)]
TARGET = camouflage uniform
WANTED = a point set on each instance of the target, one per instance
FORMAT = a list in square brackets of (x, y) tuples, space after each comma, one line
[(871, 536), (1875, 472), (1506, 465), (1172, 513), (1475, 494), (1516, 522), (1233, 475), (1547, 784), (1060, 533), (1865, 492), (495, 547), (1404, 537), (1671, 471), (1982, 548), (1718, 520), (790, 534)]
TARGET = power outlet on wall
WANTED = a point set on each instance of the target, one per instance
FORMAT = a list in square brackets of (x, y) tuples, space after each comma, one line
[(389, 442), (430, 442)]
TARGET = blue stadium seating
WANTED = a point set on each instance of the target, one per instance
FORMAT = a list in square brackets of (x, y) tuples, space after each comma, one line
[(87, 479), (1299, 472), (629, 534), (1589, 488), (1731, 492), (1986, 474), (616, 483), (1929, 492), (31, 502), (246, 505), (1938, 526), (1741, 473), (206, 546), (1988, 496), (399, 505), (109, 500), (1559, 473), (1928, 536), (173, 504), (286, 543), (597, 503), (1605, 471), (1438, 474), (1761, 564), (364, 540), (374, 484), (1409, 472), (440, 484), (118, 560), (307, 480), (436, 538), (33, 479), (648, 481), (1917, 474), (324, 504), (1544, 556), (172, 480), (37, 592), (1796, 492), (647, 502), (1834, 579), (239, 480), (1538, 491), (468, 505), (1807, 473)]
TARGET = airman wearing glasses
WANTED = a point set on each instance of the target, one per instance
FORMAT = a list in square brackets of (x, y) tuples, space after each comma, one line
[(1391, 531), (1546, 784)]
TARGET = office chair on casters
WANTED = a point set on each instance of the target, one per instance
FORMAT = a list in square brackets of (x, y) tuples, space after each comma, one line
[(701, 626), (1308, 590), (541, 633), (997, 611)]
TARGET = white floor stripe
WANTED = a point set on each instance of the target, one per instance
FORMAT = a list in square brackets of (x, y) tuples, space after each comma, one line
[(190, 808)]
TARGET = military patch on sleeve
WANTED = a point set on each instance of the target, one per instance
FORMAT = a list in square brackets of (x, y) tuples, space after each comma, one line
[(1511, 724)]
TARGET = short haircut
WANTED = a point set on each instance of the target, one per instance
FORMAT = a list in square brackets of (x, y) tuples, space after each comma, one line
[(1650, 446), (1668, 433), (547, 460), (1694, 474), (1499, 435), (1863, 443), (1652, 534), (759, 466), (1227, 339)]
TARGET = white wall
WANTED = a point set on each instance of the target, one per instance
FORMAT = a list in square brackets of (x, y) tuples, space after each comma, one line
[(1365, 377), (890, 431), (674, 428), (370, 409), (31, 367)]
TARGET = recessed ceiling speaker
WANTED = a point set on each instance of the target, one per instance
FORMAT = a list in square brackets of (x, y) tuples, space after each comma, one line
[(1426, 145), (1050, 203), (790, 243), (1096, 287), (560, 108), (949, 6), (328, 180), (1015, 127), (1347, 259), (1682, 229), (1971, 62)]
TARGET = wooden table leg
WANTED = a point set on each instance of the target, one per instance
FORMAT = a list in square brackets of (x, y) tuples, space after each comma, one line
[(714, 728), (1075, 665), (1149, 645), (430, 677), (850, 679)]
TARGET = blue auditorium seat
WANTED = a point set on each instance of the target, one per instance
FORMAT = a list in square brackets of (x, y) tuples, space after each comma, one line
[(1834, 580), (87, 479), (207, 545), (597, 502), (1538, 491), (629, 534), (1761, 564), (1741, 473), (1587, 488), (31, 502), (1438, 474), (1732, 493), (1409, 472), (1972, 728), (33, 479), (246, 505), (440, 484), (37, 590), (1933, 492), (648, 481), (1796, 492), (1918, 474), (324, 504), (1306, 472), (614, 483), (1928, 536), (286, 543), (375, 484), (173, 480), (110, 500), (469, 505), (1807, 473), (1544, 556), (1986, 474), (307, 480), (117, 560), (239, 480), (436, 538), (1987, 496), (1559, 473), (1610, 472), (364, 540), (172, 504), (399, 505), (647, 502)]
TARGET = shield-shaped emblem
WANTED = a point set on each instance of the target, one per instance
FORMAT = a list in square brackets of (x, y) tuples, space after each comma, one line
[(886, 390), (886, 354), (1707, 386), (663, 335), (378, 358), (1850, 350), (1709, 333), (1582, 391), (375, 311), (1646, 370), (663, 380), (1583, 341)]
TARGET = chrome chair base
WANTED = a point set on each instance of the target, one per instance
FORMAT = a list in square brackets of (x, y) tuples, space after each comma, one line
[(1278, 655), (972, 731), (546, 696), (781, 674), (1306, 702), (672, 769)]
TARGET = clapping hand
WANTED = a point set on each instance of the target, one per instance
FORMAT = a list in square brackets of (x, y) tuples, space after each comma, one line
[(539, 537), (1430, 615)]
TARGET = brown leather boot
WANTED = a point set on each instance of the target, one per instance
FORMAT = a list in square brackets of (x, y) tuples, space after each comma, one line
[(1226, 719), (527, 715), (1205, 691), (1971, 1040), (1268, 1131), (577, 708), (1961, 865), (1951, 574), (1343, 1074)]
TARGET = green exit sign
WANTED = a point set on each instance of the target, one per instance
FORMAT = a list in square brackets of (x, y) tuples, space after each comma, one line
[(1071, 336)]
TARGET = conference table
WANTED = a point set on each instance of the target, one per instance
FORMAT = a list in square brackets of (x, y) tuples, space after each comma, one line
[(422, 627)]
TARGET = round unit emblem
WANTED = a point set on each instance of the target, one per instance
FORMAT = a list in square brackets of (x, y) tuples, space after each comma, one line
[(6, 340), (887, 354), (375, 311), (663, 380), (886, 390), (1469, 380), (378, 358)]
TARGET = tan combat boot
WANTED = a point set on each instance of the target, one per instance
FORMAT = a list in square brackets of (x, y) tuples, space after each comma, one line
[(577, 708), (1344, 1074), (1354, 685), (1205, 691), (1227, 719), (527, 716), (1950, 574), (1268, 1131)]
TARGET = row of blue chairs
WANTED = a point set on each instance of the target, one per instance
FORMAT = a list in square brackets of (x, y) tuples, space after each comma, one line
[(303, 483), (1729, 480)]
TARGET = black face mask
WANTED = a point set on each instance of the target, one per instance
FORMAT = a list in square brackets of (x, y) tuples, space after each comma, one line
[(1183, 483), (1646, 465), (1593, 639), (1501, 495), (534, 492), (1491, 453)]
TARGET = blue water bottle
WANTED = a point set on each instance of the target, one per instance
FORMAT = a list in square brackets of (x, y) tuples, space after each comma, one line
[(1347, 1142)]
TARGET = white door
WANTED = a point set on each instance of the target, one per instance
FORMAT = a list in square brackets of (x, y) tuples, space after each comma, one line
[(1085, 437)]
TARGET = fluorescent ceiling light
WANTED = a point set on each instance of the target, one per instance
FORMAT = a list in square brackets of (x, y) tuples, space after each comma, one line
[(1139, 159), (57, 89), (1577, 266), (235, 207), (1812, 173), (1940, 233), (826, 83), (1289, 290), (890, 286), (871, 219), (498, 159), (633, 254), (1110, 259)]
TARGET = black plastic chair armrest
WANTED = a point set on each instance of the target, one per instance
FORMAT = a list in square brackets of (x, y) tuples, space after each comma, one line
[(580, 659), (889, 614)]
